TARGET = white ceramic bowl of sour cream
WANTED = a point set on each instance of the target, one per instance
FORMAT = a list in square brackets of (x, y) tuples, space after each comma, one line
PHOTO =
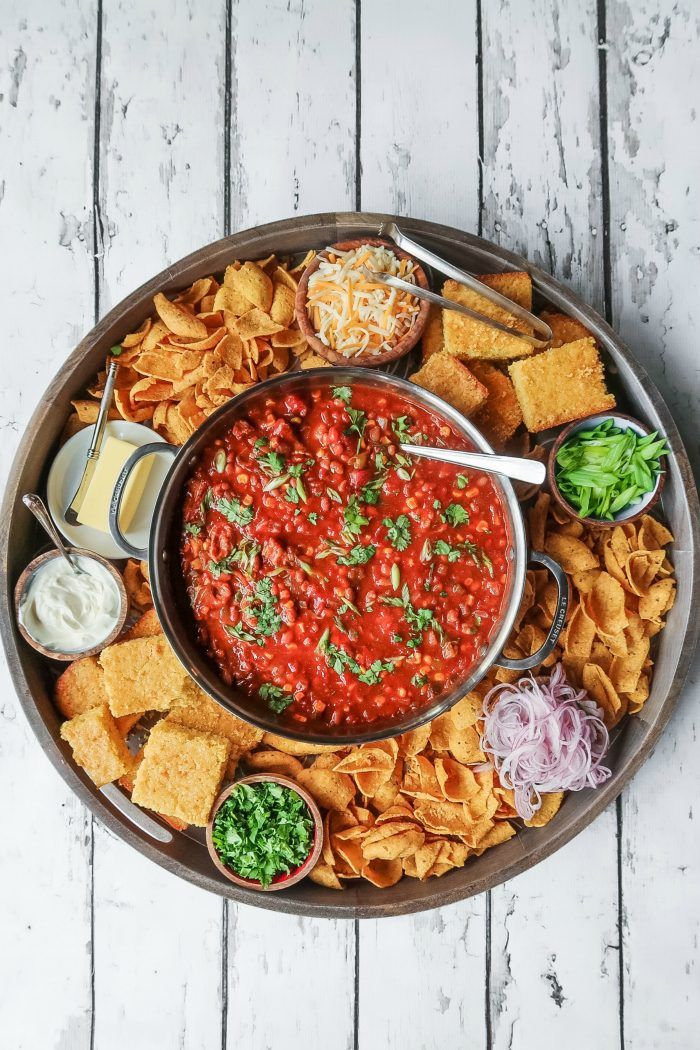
[(66, 615)]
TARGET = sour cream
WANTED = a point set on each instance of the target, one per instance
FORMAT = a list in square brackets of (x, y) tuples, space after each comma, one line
[(70, 612)]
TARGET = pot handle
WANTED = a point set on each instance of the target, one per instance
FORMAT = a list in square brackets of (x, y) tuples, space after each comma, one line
[(115, 504), (562, 582)]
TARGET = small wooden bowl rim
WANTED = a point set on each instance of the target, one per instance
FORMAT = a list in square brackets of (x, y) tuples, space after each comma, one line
[(303, 870), (402, 347), (78, 654), (649, 501)]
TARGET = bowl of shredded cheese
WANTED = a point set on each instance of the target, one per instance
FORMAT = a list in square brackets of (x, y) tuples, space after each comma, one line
[(348, 319)]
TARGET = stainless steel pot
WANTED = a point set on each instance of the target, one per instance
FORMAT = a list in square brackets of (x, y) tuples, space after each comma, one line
[(172, 603)]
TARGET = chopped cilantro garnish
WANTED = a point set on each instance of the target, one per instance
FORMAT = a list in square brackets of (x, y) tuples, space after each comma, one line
[(275, 697), (313, 517), (342, 393), (264, 608), (115, 351), (442, 547), (419, 680), (354, 519), (456, 514), (359, 555), (370, 492), (399, 532), (238, 631), (192, 529), (291, 494), (462, 481), (401, 427), (418, 620), (261, 442), (263, 830), (272, 463), (234, 511), (339, 661), (358, 422)]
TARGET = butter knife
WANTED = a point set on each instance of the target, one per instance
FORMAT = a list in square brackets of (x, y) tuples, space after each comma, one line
[(93, 453)]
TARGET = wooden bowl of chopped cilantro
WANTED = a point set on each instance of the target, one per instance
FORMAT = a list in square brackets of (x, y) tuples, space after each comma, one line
[(265, 832), (607, 469)]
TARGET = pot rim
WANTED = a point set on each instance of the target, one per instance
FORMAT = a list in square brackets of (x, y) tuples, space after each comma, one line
[(170, 611)]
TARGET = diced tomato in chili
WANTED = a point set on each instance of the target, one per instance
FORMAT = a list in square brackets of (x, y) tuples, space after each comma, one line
[(339, 580)]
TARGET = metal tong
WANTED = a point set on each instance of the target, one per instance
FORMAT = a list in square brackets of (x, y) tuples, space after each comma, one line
[(392, 231)]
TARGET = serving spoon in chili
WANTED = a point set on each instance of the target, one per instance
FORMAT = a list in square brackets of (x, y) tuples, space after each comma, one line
[(517, 469)]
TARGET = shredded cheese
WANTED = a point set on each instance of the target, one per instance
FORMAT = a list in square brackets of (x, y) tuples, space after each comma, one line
[(353, 316)]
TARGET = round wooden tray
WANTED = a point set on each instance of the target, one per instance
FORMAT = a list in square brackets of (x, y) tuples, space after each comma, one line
[(186, 854)]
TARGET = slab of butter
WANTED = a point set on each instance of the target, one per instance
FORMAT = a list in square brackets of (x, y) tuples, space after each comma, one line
[(95, 509)]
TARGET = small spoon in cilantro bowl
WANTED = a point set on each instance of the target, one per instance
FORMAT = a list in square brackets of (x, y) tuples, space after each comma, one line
[(607, 468), (265, 832)]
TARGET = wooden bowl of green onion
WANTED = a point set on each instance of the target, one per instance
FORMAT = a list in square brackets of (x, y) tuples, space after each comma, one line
[(607, 469)]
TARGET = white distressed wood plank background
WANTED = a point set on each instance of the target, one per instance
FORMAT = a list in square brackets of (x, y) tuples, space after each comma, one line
[(180, 121)]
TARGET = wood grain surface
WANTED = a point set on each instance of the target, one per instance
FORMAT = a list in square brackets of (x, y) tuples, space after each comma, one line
[(131, 133)]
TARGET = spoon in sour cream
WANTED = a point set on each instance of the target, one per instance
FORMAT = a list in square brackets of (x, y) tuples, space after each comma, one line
[(37, 506)]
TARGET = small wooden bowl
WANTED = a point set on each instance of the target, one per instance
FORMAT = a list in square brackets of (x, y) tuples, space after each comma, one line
[(644, 505), (78, 654), (406, 343), (280, 882)]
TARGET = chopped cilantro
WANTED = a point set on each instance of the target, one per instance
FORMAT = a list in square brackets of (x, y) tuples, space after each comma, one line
[(354, 519), (399, 532), (192, 529), (339, 661), (263, 830), (419, 680), (276, 698), (359, 555), (115, 351), (261, 442), (456, 514), (370, 492), (358, 422), (401, 427), (272, 463), (234, 511), (313, 517), (342, 393), (462, 481), (419, 620), (291, 494), (442, 547), (264, 608), (238, 631)]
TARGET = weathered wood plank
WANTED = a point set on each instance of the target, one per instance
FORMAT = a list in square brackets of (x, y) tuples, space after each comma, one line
[(422, 979), (291, 980), (419, 111), (553, 931), (293, 103), (158, 957), (653, 64), (419, 157), (46, 101), (542, 171)]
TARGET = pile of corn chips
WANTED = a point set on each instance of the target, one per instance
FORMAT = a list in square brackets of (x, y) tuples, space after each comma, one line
[(198, 350), (622, 586)]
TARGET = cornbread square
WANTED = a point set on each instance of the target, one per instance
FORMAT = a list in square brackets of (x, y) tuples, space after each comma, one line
[(143, 674), (562, 384), (564, 329), (466, 337), (82, 687), (146, 626), (98, 746), (500, 417), (432, 340), (196, 710), (181, 772), (447, 377)]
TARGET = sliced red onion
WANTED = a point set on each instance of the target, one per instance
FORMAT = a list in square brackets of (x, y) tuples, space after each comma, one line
[(544, 736)]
